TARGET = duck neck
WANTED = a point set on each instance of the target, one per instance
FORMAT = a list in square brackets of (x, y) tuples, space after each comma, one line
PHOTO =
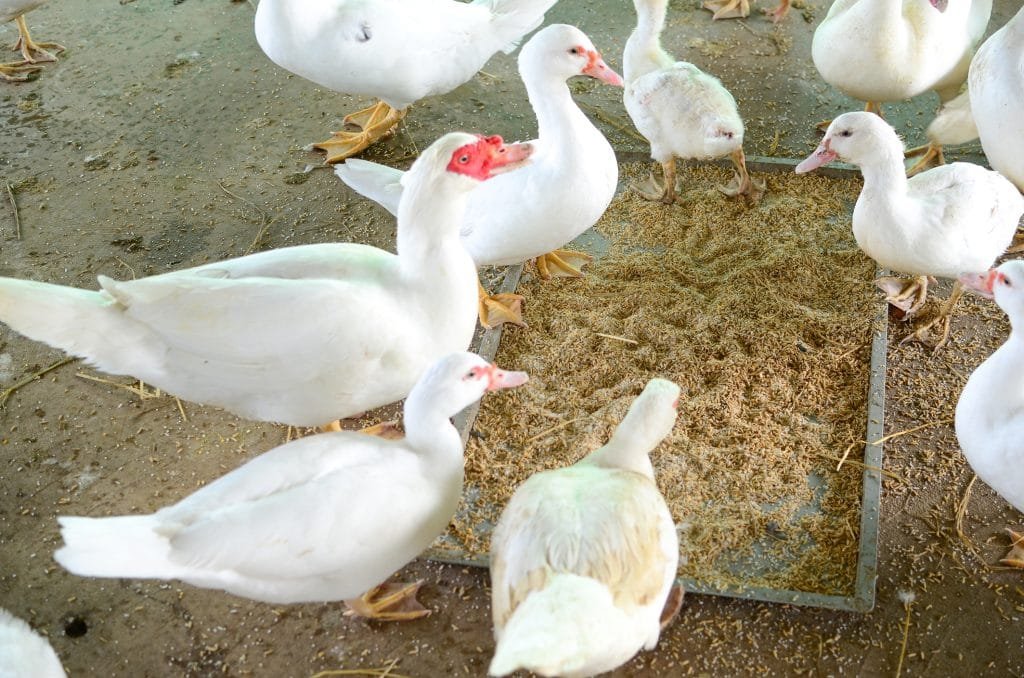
[(884, 173), (626, 450), (429, 217), (643, 52), (558, 117), (429, 430)]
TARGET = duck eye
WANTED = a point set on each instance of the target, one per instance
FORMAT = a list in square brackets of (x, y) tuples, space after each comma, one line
[(472, 374), (1005, 281), (464, 159), (846, 133), (575, 50)]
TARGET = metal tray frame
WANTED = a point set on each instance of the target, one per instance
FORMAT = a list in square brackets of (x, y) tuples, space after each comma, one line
[(863, 598)]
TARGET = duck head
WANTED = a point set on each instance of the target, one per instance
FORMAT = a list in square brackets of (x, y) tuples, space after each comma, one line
[(857, 138), (458, 380), (562, 51), (1005, 284), (464, 160)]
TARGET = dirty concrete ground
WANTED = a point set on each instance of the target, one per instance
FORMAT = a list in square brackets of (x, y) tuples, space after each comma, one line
[(164, 138)]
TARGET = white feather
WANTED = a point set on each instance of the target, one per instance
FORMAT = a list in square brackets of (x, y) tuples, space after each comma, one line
[(24, 653), (300, 335), (397, 50)]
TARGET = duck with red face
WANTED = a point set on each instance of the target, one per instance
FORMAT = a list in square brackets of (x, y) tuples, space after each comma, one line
[(990, 412), (299, 335)]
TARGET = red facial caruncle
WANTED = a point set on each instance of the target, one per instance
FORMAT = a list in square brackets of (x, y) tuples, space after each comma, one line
[(596, 67), (487, 157)]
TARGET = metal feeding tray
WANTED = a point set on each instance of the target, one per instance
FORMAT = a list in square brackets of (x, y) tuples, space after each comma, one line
[(863, 599)]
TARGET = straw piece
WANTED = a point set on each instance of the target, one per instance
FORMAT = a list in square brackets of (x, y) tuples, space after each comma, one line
[(383, 672), (617, 338), (14, 208), (908, 601), (265, 220), (912, 430), (7, 392)]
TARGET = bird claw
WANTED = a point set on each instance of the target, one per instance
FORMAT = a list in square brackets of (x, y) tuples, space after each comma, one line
[(388, 430), (907, 297), (1015, 557), (19, 72), (728, 9), (923, 335), (498, 309), (747, 187), (388, 602), (562, 264), (652, 189), (779, 13)]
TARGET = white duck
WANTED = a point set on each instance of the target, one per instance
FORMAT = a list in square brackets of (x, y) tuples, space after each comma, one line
[(891, 50), (996, 86), (990, 412), (568, 185), (323, 518), (399, 51), (31, 52), (682, 111), (24, 653), (300, 335), (584, 558), (950, 219)]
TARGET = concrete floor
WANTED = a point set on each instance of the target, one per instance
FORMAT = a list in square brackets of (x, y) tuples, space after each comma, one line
[(164, 138)]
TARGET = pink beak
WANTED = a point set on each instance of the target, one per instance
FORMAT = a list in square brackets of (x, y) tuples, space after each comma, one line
[(822, 155), (498, 378), (508, 157), (982, 283), (597, 68)]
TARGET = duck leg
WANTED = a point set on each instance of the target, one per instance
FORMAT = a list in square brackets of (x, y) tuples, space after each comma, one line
[(1015, 558), (33, 51), (945, 314), (374, 123), (908, 297), (18, 71), (779, 13), (495, 309), (728, 9), (930, 156), (562, 264), (742, 183), (388, 430), (388, 602), (666, 193)]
